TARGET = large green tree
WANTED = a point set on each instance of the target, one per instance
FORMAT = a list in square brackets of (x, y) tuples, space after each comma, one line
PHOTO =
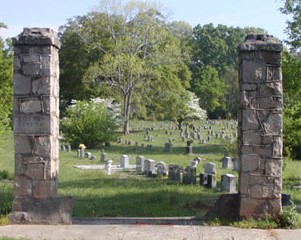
[(215, 48), (6, 82), (123, 48)]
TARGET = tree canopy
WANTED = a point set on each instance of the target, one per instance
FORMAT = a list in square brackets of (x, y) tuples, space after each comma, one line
[(130, 44), (293, 29), (6, 81)]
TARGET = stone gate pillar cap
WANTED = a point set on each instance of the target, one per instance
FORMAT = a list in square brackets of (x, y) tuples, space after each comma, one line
[(260, 42), (37, 36)]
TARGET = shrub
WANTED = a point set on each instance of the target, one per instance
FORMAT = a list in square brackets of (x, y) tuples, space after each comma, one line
[(289, 218), (88, 123), (4, 174)]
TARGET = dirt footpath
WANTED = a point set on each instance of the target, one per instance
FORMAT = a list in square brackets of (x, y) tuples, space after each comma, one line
[(143, 231)]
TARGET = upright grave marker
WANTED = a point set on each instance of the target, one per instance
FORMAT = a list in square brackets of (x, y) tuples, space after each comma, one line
[(36, 130), (260, 126)]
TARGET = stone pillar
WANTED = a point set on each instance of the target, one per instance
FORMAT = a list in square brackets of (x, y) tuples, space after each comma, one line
[(36, 130), (260, 126)]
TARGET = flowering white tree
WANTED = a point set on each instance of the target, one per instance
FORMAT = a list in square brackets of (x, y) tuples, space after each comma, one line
[(194, 109), (189, 110)]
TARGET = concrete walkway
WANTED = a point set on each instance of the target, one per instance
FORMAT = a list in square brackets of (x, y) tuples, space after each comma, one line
[(143, 232)]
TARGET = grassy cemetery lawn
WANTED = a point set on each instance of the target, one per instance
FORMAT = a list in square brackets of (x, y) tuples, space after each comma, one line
[(126, 193)]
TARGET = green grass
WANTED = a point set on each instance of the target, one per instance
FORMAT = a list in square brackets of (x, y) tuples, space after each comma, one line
[(128, 194)]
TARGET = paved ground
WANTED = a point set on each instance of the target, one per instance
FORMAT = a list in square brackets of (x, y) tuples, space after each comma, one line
[(143, 231)]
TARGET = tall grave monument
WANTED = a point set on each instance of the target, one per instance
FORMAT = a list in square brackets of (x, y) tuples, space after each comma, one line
[(36, 130), (260, 126)]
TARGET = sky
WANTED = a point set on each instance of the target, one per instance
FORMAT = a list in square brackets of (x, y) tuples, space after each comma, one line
[(265, 14)]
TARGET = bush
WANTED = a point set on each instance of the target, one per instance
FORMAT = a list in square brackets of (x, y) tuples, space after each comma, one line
[(88, 123), (289, 218), (4, 174)]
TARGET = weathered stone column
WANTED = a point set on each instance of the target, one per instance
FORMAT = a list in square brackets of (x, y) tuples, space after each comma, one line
[(36, 130), (260, 126)]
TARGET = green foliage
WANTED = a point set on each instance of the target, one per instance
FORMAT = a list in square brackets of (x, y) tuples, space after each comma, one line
[(208, 87), (289, 218), (6, 197), (261, 223), (214, 48), (293, 29), (88, 123), (292, 104), (4, 174), (6, 82)]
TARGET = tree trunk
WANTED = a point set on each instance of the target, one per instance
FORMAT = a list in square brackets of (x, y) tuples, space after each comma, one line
[(127, 98)]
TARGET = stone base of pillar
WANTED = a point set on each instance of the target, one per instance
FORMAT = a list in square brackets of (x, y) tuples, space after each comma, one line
[(56, 210), (226, 208)]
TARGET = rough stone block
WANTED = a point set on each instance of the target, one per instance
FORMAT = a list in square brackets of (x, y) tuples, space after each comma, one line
[(273, 167), (273, 73), (253, 72), (23, 144), (250, 163), (270, 89), (28, 106), (22, 186), (44, 189), (250, 120), (252, 138), (22, 84), (51, 105), (42, 86), (56, 210), (244, 181), (262, 191), (32, 124)]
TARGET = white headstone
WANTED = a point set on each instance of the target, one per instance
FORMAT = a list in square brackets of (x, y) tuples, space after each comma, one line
[(210, 168), (124, 161), (228, 183)]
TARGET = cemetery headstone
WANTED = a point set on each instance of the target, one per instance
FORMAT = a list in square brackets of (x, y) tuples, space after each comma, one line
[(227, 162), (168, 147), (162, 169), (103, 157), (235, 164), (124, 161), (140, 164), (174, 173), (108, 166), (210, 168), (189, 175), (188, 149), (228, 183), (149, 167)]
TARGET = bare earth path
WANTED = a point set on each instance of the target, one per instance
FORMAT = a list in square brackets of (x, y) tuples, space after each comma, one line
[(143, 231)]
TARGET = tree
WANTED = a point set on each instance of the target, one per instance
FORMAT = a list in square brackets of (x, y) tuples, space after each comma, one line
[(88, 123), (216, 47), (207, 86), (291, 68), (293, 29), (134, 41), (75, 58), (6, 82)]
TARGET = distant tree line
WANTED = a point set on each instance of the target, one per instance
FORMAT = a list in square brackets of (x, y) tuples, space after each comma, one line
[(133, 54), (130, 52)]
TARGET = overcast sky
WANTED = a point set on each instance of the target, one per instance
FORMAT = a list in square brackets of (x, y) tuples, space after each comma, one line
[(17, 14)]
